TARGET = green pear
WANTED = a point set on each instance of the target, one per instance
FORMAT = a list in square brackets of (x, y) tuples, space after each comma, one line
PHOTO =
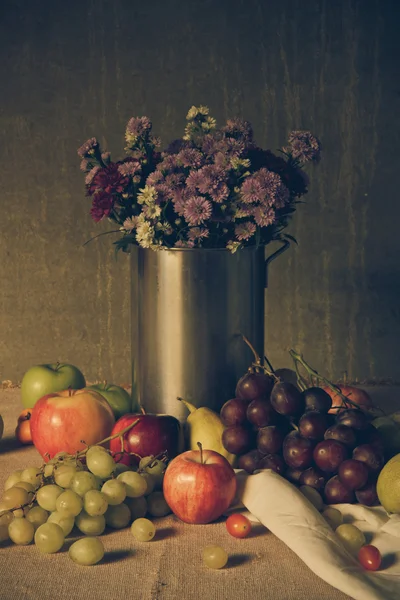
[(205, 426)]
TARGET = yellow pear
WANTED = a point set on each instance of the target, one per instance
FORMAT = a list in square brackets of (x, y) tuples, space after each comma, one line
[(205, 426), (388, 485)]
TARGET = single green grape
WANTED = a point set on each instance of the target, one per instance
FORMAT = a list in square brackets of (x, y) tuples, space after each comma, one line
[(49, 469), (25, 486), (312, 496), (333, 516), (87, 551), (150, 480), (114, 491), (47, 495), (66, 522), (120, 468), (37, 516), (157, 505), (83, 481), (63, 475), (100, 463), (13, 478), (5, 519), (32, 475), (118, 517), (95, 503), (93, 449), (15, 496), (21, 531), (351, 537), (154, 467), (90, 525), (215, 557), (137, 506), (49, 538), (70, 503), (143, 530), (135, 484)]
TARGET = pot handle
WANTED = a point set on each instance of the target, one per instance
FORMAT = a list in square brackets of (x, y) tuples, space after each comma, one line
[(285, 246)]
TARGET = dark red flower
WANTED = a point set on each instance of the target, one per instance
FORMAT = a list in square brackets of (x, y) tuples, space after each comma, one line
[(109, 180), (102, 206)]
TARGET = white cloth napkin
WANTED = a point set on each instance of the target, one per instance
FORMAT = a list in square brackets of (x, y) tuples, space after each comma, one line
[(285, 511)]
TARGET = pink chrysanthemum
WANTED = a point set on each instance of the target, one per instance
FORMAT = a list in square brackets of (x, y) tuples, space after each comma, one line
[(244, 231), (197, 210)]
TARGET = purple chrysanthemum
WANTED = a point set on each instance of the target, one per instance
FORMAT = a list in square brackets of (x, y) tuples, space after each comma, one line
[(264, 216), (190, 157), (88, 148), (194, 180), (184, 244), (264, 187), (197, 210), (239, 129), (130, 168), (303, 146), (169, 163), (102, 206), (109, 180), (198, 233), (244, 231), (138, 127), (155, 178)]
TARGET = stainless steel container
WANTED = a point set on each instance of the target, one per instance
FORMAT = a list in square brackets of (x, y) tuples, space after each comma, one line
[(190, 308)]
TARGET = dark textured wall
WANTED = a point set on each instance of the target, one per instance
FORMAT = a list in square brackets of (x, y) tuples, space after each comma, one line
[(72, 70)]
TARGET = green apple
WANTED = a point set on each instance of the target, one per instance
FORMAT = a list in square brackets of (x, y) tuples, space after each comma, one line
[(47, 379), (117, 397)]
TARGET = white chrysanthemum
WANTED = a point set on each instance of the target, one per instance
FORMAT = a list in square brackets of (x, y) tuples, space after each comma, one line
[(190, 129), (145, 234), (192, 114), (233, 246), (152, 211), (147, 195), (209, 124), (239, 163), (203, 110)]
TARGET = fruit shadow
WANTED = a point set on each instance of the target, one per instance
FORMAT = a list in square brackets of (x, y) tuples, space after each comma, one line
[(257, 530), (10, 444), (164, 533), (388, 560), (235, 560), (112, 556)]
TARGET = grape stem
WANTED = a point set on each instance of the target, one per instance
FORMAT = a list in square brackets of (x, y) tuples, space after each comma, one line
[(298, 358), (150, 463), (111, 437), (257, 359)]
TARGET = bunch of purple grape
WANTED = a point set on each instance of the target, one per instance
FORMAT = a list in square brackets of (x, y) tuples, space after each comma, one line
[(270, 424)]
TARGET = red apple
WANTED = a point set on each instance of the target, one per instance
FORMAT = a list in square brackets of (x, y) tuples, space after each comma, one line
[(199, 486), (353, 393), (60, 421), (152, 435)]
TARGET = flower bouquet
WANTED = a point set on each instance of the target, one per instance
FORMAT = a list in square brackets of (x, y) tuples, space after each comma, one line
[(213, 188)]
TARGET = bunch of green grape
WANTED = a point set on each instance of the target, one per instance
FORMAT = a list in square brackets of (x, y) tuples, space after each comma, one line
[(42, 505)]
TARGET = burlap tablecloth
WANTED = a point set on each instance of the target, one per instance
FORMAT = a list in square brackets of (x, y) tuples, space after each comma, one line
[(167, 568)]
